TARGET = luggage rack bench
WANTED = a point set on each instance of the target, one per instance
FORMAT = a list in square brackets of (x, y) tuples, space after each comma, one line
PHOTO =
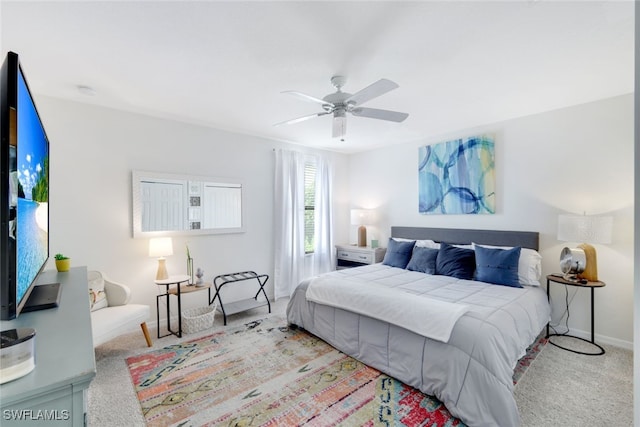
[(245, 304)]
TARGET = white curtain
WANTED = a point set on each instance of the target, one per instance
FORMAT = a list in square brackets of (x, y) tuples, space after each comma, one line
[(324, 251), (291, 263)]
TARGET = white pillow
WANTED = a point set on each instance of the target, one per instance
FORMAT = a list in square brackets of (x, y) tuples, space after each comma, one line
[(419, 243), (429, 243), (97, 296), (97, 299), (529, 265), (464, 246)]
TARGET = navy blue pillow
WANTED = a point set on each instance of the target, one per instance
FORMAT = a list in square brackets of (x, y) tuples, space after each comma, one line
[(398, 253), (423, 259), (498, 266), (455, 262)]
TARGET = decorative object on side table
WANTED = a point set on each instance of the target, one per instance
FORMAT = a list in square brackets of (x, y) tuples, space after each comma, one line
[(581, 263), (199, 275), (161, 247), (189, 266), (63, 263)]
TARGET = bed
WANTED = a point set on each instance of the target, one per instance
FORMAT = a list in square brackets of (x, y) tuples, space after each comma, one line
[(468, 362)]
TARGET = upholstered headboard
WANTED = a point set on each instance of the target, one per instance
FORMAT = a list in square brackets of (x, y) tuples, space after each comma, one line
[(525, 239)]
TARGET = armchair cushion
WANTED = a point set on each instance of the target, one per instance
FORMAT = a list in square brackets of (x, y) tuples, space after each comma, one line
[(117, 293), (111, 322)]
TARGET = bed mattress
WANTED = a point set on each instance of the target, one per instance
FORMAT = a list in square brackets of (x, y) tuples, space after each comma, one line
[(471, 373)]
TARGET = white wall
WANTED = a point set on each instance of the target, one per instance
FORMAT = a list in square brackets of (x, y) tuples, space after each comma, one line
[(94, 150), (636, 344), (570, 160)]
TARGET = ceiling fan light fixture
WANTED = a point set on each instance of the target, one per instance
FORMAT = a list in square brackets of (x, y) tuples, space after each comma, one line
[(339, 128), (340, 103)]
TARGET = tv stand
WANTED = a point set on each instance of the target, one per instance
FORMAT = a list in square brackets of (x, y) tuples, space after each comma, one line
[(56, 389), (43, 297)]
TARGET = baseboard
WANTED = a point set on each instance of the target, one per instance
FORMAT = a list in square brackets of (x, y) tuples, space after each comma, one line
[(603, 339), (152, 324)]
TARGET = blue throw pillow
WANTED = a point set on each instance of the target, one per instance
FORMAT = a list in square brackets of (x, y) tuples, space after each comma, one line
[(398, 253), (498, 266), (423, 259), (455, 262)]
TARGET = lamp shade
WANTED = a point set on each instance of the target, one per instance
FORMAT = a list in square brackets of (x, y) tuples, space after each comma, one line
[(363, 217), (160, 247), (585, 228)]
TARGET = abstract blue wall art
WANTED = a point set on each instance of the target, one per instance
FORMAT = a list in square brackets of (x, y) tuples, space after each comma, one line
[(457, 177)]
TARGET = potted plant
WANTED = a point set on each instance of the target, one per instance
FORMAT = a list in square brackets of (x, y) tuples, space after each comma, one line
[(63, 263)]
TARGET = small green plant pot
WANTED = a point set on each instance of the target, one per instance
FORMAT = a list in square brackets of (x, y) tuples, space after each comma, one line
[(63, 264)]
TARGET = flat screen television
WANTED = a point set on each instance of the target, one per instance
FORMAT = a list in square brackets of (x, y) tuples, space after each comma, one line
[(24, 197)]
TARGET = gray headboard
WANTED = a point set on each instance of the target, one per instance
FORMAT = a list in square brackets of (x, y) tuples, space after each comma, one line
[(525, 239)]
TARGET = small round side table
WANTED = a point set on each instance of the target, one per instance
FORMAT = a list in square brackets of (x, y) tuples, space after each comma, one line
[(558, 278)]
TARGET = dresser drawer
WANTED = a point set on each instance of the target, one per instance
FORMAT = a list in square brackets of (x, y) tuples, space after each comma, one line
[(363, 257)]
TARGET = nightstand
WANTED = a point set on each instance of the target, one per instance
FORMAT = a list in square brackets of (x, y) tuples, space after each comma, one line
[(356, 256), (557, 278)]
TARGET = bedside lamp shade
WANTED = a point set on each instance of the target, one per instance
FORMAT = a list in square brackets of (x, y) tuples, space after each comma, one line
[(362, 217), (587, 229), (160, 247)]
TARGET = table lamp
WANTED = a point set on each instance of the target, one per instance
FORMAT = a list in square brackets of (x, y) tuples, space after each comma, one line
[(160, 247), (587, 229), (362, 217)]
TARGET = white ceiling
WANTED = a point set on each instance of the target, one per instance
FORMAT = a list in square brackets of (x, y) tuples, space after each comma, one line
[(225, 64)]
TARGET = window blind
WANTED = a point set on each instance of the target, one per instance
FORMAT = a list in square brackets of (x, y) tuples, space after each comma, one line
[(309, 206)]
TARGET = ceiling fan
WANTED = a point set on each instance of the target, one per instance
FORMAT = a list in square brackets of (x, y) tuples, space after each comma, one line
[(340, 103)]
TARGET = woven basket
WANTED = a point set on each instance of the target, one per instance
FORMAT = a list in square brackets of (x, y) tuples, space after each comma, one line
[(197, 319)]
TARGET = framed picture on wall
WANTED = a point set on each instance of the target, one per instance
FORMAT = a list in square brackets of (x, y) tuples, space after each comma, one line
[(457, 177)]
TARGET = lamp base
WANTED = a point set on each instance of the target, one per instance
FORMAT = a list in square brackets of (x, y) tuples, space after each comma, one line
[(162, 273), (362, 236), (590, 272)]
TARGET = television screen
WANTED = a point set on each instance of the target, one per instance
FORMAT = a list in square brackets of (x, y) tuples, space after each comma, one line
[(24, 197), (31, 192)]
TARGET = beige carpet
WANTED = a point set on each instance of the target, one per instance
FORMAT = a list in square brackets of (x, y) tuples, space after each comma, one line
[(567, 389), (559, 389)]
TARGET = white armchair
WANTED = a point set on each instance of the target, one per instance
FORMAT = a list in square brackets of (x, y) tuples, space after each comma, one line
[(111, 313)]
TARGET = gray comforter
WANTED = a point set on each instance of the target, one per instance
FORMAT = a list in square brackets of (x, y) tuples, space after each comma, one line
[(472, 372)]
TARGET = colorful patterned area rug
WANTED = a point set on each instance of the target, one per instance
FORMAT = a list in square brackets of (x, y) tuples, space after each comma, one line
[(266, 374)]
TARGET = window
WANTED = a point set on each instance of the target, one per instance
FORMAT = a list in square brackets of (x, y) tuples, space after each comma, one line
[(309, 206)]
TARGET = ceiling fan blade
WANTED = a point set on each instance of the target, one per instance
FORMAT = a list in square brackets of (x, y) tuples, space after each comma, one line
[(375, 113), (302, 119), (376, 89), (306, 97), (339, 128)]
